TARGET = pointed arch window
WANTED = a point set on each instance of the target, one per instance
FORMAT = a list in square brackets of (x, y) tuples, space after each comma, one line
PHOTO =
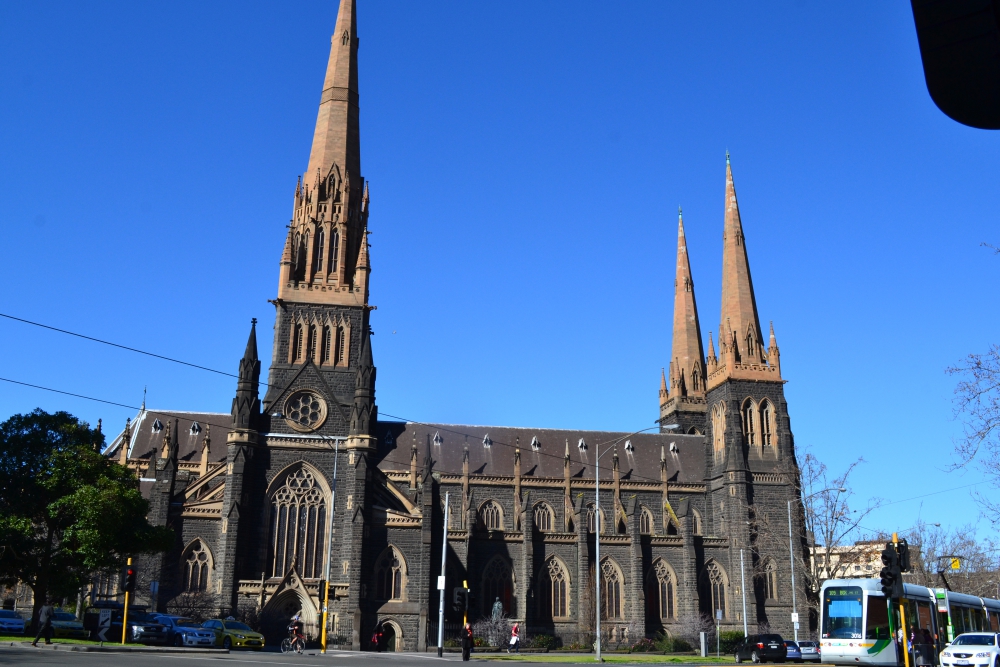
[(770, 580), (646, 522), (334, 251), (313, 342), (716, 579), (390, 575), (340, 345), (660, 591), (592, 519), (196, 568), (612, 583), (719, 431), (491, 515), (544, 517), (327, 345), (298, 257), (297, 335), (554, 590), (695, 379), (298, 525), (767, 425), (319, 254), (498, 582), (751, 423), (750, 346)]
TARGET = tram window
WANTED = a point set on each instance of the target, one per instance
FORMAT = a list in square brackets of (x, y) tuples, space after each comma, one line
[(924, 615), (978, 622), (877, 626), (842, 613), (994, 622)]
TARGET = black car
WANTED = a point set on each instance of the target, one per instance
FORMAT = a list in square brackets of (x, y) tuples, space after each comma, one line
[(144, 628), (761, 648)]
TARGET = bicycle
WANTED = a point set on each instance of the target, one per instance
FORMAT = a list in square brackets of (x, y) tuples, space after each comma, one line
[(293, 642)]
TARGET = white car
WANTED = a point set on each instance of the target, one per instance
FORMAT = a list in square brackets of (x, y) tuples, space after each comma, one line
[(971, 649), (11, 622)]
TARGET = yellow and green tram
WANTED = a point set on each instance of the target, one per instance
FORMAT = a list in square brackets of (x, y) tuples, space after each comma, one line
[(857, 625)]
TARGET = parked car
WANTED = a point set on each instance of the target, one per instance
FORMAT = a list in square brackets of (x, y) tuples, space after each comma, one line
[(184, 631), (792, 651), (144, 628), (65, 624), (809, 651), (761, 648), (971, 648), (11, 622), (233, 634)]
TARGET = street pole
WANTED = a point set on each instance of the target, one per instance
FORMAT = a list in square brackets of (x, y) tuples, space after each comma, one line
[(743, 590), (791, 559), (124, 612), (325, 594), (444, 556), (597, 551)]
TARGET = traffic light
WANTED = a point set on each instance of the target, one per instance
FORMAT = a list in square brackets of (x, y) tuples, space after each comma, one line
[(904, 556), (460, 599), (130, 574), (891, 575)]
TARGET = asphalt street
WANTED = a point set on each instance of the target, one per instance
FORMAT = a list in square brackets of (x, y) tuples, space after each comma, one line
[(45, 657)]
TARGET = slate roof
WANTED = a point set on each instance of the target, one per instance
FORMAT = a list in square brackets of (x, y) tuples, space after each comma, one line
[(685, 454), (192, 427)]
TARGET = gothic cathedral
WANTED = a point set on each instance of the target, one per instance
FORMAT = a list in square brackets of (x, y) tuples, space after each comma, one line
[(308, 485)]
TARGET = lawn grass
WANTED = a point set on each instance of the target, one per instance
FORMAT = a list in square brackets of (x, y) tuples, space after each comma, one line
[(610, 658)]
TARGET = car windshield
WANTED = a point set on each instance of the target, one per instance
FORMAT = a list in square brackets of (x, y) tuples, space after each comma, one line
[(64, 616), (186, 623), (791, 644), (236, 625), (975, 640), (806, 644)]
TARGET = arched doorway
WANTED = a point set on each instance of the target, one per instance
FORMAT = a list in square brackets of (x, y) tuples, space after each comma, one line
[(392, 636), (278, 614)]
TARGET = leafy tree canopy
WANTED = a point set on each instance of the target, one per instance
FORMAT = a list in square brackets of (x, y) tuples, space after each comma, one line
[(66, 511)]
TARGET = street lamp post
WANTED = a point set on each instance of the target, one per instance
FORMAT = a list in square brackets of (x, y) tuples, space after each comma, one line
[(325, 594), (791, 557), (597, 532)]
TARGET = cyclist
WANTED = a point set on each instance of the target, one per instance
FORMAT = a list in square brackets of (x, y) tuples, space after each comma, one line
[(296, 638)]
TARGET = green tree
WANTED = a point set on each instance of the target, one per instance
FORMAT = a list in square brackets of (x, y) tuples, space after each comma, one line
[(66, 511)]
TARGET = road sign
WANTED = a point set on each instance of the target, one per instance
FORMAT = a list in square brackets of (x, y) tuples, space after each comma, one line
[(956, 563), (796, 625), (154, 587), (104, 625), (440, 582), (718, 614), (795, 617)]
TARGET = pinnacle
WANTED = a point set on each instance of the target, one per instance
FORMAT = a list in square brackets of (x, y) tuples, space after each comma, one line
[(686, 355), (250, 353)]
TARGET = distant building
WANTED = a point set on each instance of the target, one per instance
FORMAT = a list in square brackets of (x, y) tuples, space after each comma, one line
[(249, 494), (860, 560)]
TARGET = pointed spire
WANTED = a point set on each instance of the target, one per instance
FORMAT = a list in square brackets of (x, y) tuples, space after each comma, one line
[(246, 404), (206, 450), (362, 264), (739, 306), (664, 394), (363, 413), (773, 355), (336, 139), (126, 441), (686, 375), (413, 462), (165, 448)]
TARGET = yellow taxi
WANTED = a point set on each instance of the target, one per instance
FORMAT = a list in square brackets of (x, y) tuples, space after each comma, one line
[(230, 634)]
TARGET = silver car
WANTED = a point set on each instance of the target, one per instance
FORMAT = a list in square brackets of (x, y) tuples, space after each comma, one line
[(185, 632), (810, 651)]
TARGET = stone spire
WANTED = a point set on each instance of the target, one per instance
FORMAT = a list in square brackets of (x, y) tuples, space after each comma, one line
[(206, 450), (664, 393), (126, 441), (336, 139), (246, 404), (739, 306), (364, 413), (687, 373)]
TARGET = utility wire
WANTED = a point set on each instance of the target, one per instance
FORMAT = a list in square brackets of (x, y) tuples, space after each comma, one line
[(229, 426)]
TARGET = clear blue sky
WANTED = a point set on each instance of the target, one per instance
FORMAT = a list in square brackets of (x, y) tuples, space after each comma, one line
[(526, 162)]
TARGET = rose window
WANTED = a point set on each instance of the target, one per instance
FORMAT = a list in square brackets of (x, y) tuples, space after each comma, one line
[(305, 411)]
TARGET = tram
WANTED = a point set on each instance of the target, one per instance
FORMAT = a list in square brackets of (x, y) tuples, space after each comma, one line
[(857, 625)]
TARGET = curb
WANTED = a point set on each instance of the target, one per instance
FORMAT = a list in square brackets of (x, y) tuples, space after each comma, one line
[(116, 648)]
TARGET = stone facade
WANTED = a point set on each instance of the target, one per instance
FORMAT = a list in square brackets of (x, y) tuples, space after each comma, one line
[(308, 485)]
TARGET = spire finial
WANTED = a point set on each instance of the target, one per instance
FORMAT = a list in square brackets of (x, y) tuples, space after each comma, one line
[(727, 156), (680, 213)]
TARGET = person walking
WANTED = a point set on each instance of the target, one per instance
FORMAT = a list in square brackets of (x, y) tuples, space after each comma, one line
[(466, 641), (515, 639), (377, 638), (45, 615)]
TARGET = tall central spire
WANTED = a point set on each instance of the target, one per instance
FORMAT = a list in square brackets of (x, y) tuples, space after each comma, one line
[(336, 140), (687, 376), (739, 321)]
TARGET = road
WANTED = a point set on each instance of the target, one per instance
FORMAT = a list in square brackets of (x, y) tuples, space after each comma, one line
[(45, 658)]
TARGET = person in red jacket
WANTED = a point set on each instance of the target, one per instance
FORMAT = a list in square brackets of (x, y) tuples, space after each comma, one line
[(466, 636), (515, 639)]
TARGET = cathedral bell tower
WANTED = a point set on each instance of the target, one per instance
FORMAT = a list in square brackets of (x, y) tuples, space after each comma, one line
[(321, 329), (683, 401)]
